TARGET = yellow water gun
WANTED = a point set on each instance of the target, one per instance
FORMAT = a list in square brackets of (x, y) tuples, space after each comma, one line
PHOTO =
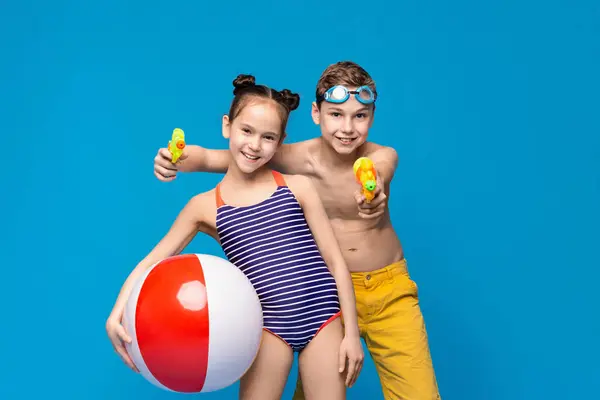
[(366, 176), (176, 144)]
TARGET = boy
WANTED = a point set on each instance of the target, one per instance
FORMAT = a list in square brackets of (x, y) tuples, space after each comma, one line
[(390, 319)]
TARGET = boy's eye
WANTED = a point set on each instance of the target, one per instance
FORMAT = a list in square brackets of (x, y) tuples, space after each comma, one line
[(335, 114), (361, 115), (246, 130)]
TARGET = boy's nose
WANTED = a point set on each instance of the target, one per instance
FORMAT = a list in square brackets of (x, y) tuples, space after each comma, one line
[(347, 126)]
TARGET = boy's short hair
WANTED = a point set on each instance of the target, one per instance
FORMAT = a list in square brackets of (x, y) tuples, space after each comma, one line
[(346, 73)]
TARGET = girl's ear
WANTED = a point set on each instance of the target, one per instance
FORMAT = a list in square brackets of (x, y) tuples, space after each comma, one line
[(226, 127)]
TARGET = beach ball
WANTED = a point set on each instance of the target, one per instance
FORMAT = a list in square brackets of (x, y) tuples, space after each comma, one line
[(195, 322)]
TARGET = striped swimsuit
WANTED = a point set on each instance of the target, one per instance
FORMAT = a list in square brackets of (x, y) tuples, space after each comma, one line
[(271, 243)]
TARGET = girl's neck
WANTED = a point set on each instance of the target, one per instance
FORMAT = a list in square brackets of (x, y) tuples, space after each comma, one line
[(241, 179), (240, 189)]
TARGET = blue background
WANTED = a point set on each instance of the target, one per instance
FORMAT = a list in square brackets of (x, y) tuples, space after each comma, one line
[(492, 107)]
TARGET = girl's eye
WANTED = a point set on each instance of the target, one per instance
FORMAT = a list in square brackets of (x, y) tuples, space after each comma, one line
[(269, 138), (335, 114), (246, 130), (361, 115)]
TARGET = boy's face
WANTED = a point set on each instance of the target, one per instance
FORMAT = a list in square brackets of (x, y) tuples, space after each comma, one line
[(254, 135), (344, 126)]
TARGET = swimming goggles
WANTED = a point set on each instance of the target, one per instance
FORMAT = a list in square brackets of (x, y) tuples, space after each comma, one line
[(340, 94)]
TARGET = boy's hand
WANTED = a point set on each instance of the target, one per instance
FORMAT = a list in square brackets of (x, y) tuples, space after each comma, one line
[(164, 169), (352, 350), (376, 207), (118, 337)]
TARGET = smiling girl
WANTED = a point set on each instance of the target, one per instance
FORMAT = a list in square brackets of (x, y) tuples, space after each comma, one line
[(274, 228)]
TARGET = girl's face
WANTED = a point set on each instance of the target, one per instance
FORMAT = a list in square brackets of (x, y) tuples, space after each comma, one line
[(254, 135)]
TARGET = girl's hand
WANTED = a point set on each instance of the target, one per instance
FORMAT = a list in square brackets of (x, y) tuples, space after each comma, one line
[(118, 338), (351, 348)]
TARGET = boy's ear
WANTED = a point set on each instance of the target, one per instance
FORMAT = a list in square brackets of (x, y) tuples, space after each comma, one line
[(226, 127), (315, 113)]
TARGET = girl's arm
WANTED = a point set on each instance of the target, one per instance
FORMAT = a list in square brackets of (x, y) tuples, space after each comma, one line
[(188, 223), (318, 222)]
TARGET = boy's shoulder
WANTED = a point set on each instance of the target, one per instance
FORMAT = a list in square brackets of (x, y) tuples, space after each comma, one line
[(371, 149), (385, 159), (381, 154), (294, 158), (301, 148)]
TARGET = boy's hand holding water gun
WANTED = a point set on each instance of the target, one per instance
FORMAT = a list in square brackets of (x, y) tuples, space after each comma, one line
[(370, 198)]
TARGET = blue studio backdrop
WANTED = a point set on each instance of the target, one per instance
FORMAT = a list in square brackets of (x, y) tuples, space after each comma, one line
[(492, 107)]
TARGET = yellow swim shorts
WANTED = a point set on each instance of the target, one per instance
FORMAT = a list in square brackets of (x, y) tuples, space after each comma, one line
[(391, 323)]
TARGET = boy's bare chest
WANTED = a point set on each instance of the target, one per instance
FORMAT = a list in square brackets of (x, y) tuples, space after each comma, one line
[(337, 193)]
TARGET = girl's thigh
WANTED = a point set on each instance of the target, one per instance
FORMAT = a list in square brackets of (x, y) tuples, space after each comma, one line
[(266, 378), (319, 365)]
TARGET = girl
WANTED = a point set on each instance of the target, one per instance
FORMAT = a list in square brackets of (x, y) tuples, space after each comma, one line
[(274, 228)]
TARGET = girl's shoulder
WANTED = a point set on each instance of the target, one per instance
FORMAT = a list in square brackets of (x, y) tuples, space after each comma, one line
[(203, 208), (203, 203), (299, 185), (296, 180), (203, 199)]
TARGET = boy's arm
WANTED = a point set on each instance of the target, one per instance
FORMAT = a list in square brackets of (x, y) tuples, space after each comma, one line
[(193, 159), (200, 159), (386, 161), (289, 159)]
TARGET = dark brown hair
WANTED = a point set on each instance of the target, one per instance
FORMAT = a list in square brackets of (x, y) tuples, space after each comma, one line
[(246, 89), (345, 73)]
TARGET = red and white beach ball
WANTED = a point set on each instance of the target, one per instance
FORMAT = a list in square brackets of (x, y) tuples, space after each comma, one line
[(195, 322)]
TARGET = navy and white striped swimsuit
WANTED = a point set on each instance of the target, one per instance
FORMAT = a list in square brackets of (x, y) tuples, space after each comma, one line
[(271, 243)]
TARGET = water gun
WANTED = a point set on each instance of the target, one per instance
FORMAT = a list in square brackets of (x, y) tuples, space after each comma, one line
[(366, 176), (176, 144)]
